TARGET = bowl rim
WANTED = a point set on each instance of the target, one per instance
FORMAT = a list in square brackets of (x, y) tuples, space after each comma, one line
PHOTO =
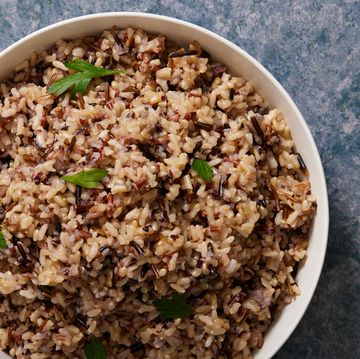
[(325, 231)]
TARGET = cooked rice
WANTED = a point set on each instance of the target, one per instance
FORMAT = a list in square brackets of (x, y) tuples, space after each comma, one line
[(74, 269)]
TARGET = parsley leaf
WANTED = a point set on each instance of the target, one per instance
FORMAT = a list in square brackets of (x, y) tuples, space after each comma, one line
[(203, 169), (3, 244), (94, 349), (86, 179), (81, 79), (175, 307)]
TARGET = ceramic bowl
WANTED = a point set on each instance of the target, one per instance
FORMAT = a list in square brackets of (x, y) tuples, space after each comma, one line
[(240, 63)]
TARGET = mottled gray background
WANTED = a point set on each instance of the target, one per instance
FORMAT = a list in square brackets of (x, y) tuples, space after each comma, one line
[(313, 49)]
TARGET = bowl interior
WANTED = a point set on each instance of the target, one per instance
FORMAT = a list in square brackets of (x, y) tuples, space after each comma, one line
[(240, 63)]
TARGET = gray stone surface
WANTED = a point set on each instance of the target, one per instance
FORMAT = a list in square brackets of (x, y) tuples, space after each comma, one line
[(313, 49)]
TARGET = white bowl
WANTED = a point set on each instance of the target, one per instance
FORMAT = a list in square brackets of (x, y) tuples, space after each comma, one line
[(240, 63)]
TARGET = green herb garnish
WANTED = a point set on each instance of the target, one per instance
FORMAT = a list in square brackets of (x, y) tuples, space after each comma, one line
[(86, 179), (3, 244), (203, 169), (81, 79), (94, 349), (174, 307)]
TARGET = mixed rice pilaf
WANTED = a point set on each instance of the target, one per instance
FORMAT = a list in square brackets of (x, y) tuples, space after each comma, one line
[(187, 242)]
